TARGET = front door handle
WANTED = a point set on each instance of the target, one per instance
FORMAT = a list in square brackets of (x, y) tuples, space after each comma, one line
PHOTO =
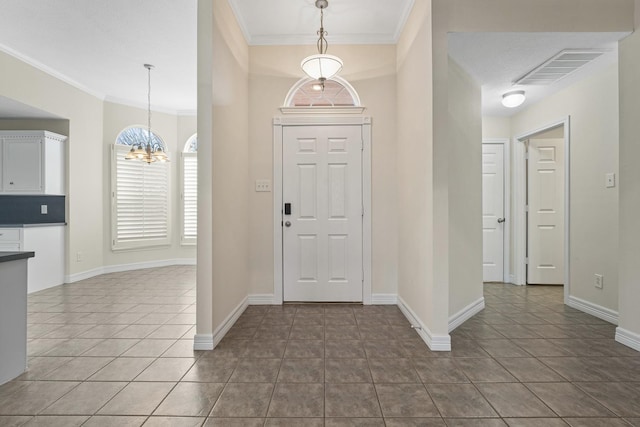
[(501, 220), (287, 224)]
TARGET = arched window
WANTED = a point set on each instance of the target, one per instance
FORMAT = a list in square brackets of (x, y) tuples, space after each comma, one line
[(135, 135), (189, 196), (139, 194), (191, 146), (335, 94)]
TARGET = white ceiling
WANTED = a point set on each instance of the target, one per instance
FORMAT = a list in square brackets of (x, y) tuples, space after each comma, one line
[(100, 46), (287, 22), (495, 60)]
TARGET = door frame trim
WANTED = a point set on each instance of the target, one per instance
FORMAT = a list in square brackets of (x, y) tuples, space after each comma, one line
[(506, 242), (278, 124), (520, 187)]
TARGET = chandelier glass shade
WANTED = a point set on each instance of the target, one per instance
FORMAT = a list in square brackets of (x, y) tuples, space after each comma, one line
[(321, 66), (148, 153)]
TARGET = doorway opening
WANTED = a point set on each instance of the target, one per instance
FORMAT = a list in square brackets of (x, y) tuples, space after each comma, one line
[(541, 220)]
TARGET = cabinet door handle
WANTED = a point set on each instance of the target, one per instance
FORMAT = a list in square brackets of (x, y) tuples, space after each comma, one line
[(11, 183)]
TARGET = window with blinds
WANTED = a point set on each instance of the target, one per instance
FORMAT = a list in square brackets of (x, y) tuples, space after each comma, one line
[(140, 202), (189, 198)]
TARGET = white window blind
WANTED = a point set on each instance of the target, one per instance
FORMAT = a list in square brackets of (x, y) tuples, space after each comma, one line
[(189, 197), (140, 194)]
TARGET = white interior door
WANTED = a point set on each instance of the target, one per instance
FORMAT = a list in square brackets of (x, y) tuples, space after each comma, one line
[(545, 238), (493, 212), (322, 234)]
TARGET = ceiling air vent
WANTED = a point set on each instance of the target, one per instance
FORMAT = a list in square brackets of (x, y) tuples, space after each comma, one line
[(559, 66)]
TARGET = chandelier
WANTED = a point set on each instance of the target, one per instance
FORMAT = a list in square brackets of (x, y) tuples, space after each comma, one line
[(321, 66), (148, 152)]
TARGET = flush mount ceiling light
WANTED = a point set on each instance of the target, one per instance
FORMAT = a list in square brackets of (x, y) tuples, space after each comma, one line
[(148, 152), (321, 66), (513, 99)]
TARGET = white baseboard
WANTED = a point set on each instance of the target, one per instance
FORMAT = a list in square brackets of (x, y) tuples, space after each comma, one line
[(596, 310), (260, 299), (229, 321), (72, 278), (384, 299), (628, 338), (127, 267), (203, 342), (435, 342), (466, 313)]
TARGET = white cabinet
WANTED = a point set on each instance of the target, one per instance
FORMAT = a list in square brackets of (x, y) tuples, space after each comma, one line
[(46, 269), (10, 239), (32, 162)]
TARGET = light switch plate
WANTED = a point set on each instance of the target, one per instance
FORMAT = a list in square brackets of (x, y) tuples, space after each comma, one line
[(44, 209), (263, 185), (610, 180)]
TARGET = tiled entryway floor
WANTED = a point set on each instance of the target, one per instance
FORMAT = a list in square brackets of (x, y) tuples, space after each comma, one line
[(116, 350)]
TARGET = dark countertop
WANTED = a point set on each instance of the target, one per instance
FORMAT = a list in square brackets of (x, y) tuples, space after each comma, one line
[(44, 224), (15, 256)]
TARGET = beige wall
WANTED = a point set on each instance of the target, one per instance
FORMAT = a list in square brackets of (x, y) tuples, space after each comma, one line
[(496, 127), (229, 163), (592, 105), (371, 71), (465, 195), (116, 118), (629, 185), (59, 126), (85, 172), (421, 285)]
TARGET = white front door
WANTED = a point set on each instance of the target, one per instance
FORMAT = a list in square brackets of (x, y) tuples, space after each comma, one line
[(322, 213), (546, 212), (493, 212)]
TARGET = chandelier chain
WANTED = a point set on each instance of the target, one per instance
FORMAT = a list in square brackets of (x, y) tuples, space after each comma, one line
[(149, 107)]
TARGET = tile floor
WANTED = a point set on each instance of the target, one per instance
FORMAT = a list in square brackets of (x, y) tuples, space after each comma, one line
[(116, 350)]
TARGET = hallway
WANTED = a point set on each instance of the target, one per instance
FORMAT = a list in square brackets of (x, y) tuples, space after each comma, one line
[(116, 350)]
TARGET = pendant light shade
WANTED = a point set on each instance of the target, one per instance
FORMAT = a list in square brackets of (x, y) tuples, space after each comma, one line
[(321, 66)]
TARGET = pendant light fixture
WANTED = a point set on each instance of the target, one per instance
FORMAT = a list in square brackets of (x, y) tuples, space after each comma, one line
[(321, 66), (147, 152)]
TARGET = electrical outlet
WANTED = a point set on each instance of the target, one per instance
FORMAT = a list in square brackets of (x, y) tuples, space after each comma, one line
[(44, 209), (263, 185), (599, 281), (78, 256)]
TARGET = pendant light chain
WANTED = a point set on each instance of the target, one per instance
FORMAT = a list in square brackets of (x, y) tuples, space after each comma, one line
[(322, 41), (149, 107)]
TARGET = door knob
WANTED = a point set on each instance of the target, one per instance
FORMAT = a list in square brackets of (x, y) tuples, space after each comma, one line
[(287, 224), (501, 220)]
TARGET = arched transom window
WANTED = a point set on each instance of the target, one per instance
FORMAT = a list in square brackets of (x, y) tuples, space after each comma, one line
[(334, 93)]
